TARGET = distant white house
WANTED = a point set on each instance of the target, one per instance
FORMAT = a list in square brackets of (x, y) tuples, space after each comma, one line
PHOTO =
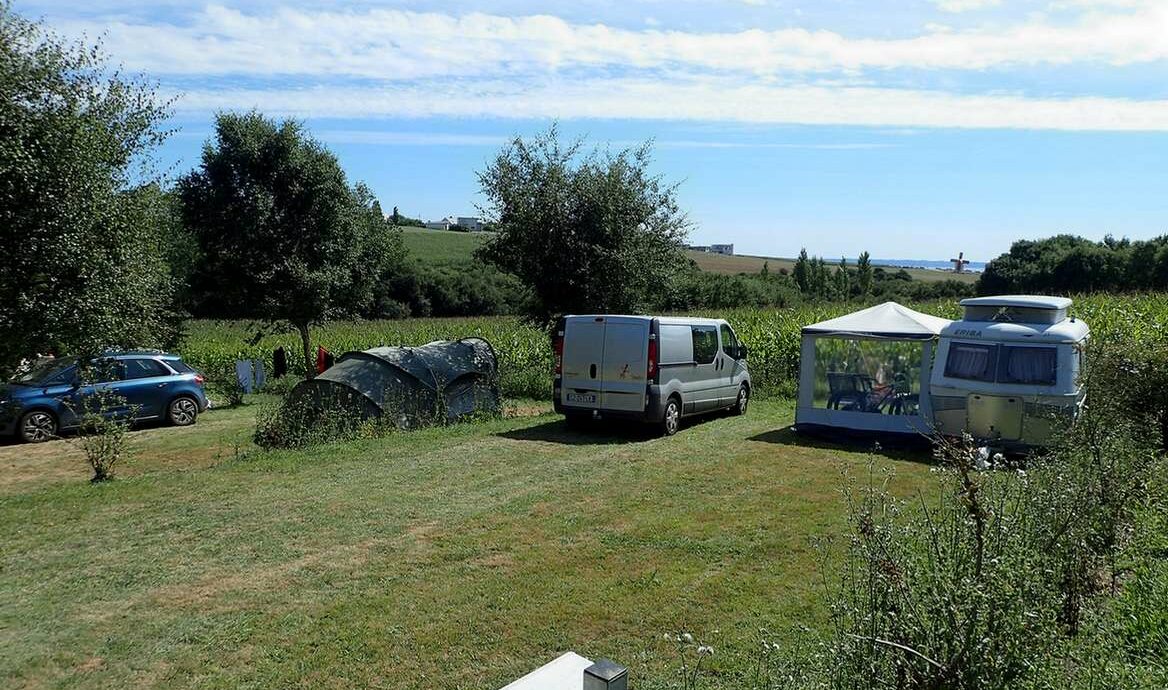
[(471, 223), (727, 249)]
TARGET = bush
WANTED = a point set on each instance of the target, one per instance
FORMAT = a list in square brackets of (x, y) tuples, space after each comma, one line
[(102, 436)]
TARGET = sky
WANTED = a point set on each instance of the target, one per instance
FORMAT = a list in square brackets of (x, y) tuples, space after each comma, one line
[(907, 128)]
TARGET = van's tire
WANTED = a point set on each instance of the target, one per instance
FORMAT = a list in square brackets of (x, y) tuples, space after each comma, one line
[(182, 411), (671, 417), (37, 426), (741, 402)]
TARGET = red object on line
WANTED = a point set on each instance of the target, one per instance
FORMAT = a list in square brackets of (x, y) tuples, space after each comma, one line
[(651, 369), (321, 356)]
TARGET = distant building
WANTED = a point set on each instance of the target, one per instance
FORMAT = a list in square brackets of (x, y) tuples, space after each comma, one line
[(438, 225), (727, 249), (471, 223)]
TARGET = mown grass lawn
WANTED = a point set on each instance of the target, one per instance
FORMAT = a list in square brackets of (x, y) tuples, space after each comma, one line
[(460, 557)]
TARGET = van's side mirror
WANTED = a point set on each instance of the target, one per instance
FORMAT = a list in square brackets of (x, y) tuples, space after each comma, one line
[(741, 352)]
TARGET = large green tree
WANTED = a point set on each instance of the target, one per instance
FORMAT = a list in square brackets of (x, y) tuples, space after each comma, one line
[(583, 231), (282, 236), (83, 266)]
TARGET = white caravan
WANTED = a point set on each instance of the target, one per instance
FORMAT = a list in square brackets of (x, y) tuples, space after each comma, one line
[(654, 369), (1009, 370)]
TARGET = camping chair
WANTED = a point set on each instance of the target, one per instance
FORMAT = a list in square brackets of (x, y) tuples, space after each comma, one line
[(848, 391)]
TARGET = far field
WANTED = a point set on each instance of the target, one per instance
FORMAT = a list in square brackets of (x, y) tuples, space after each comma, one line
[(438, 246), (460, 557)]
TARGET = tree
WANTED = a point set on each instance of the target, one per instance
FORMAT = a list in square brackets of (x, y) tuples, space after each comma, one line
[(82, 267), (802, 271), (864, 274), (283, 237), (843, 287), (396, 216), (584, 232)]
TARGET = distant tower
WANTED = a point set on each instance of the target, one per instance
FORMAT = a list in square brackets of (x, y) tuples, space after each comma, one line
[(959, 263)]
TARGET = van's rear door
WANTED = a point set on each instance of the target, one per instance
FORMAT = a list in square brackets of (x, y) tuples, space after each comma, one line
[(626, 351), (583, 356)]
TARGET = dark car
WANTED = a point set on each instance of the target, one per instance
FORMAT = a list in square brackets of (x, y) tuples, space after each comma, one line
[(143, 385)]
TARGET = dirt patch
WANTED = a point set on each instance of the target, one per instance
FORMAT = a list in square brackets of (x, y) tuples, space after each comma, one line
[(93, 663), (513, 410)]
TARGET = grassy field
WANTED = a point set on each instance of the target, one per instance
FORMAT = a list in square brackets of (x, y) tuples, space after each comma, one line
[(441, 246), (718, 263), (459, 557), (438, 246)]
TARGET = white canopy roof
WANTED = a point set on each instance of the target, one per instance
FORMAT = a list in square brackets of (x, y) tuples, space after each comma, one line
[(888, 320)]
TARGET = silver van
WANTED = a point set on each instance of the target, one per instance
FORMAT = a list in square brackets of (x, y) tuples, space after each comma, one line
[(655, 369)]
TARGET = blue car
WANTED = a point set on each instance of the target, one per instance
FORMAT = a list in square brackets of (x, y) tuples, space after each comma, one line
[(143, 385)]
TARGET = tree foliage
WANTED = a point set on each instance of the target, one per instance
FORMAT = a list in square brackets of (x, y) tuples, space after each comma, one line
[(1066, 263), (282, 235), (584, 232), (83, 268)]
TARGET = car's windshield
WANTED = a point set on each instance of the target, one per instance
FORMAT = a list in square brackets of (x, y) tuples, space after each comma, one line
[(46, 372)]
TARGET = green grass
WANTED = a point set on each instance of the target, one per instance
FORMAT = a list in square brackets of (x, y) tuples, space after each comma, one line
[(459, 557), (442, 246)]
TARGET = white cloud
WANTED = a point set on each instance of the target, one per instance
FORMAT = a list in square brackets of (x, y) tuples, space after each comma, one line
[(400, 45), (705, 99), (965, 5)]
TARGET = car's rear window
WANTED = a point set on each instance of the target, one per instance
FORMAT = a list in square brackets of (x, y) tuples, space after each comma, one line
[(180, 366)]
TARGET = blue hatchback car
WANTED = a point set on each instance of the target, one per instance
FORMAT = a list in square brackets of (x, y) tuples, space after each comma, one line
[(145, 384)]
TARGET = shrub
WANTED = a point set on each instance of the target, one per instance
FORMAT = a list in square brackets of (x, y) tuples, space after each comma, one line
[(103, 435)]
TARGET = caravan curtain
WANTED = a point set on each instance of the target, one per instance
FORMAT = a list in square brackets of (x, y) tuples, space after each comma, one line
[(969, 361), (1034, 365)]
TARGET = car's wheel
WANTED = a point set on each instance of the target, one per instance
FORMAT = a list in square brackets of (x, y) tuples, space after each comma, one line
[(182, 411), (671, 417), (37, 426), (742, 402)]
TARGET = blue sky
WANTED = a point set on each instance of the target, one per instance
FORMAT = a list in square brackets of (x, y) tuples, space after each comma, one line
[(909, 128)]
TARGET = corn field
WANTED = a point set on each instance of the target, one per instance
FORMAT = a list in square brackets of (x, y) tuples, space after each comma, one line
[(524, 352)]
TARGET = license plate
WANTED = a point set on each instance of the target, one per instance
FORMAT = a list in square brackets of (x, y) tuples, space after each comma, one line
[(581, 397)]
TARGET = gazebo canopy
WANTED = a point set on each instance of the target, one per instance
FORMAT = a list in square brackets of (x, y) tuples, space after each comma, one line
[(888, 320)]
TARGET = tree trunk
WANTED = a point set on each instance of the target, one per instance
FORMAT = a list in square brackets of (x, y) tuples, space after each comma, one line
[(309, 360)]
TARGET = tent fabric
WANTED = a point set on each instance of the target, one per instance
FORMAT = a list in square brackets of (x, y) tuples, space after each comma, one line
[(442, 380), (888, 320)]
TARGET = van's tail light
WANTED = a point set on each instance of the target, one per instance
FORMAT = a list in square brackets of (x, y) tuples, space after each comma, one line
[(651, 367), (558, 347), (200, 379)]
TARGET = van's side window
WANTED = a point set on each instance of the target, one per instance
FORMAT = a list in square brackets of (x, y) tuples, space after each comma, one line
[(729, 342), (705, 344)]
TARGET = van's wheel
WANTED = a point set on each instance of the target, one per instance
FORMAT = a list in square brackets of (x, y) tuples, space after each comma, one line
[(182, 411), (671, 417), (742, 402), (37, 426)]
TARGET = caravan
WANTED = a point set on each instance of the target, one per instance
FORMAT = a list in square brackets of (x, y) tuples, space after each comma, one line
[(1009, 370)]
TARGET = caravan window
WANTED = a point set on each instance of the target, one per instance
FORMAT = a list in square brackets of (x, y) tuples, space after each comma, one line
[(971, 361), (1032, 365)]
